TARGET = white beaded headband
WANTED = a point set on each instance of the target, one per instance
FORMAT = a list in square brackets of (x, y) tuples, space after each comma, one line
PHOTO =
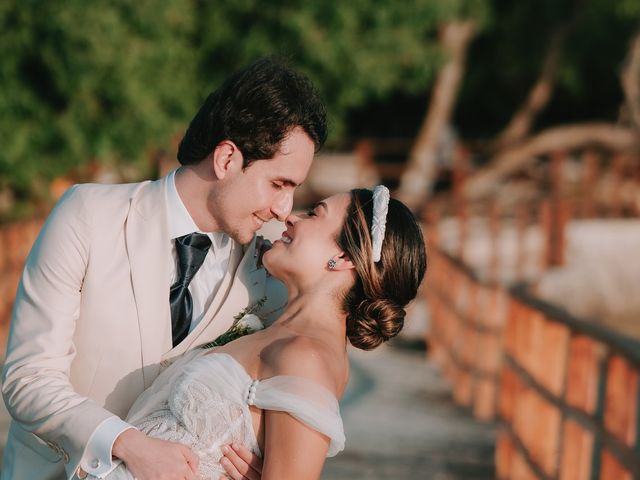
[(379, 222)]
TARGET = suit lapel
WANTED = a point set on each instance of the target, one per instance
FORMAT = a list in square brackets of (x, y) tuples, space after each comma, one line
[(243, 286), (148, 249)]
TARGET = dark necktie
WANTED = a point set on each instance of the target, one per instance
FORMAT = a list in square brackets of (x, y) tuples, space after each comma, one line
[(191, 250)]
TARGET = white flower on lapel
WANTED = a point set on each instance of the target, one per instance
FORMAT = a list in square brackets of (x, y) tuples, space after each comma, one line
[(245, 322), (251, 321)]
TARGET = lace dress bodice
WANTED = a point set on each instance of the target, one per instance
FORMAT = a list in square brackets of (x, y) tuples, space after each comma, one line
[(203, 401)]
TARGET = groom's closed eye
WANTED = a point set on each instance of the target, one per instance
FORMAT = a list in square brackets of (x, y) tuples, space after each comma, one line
[(284, 182)]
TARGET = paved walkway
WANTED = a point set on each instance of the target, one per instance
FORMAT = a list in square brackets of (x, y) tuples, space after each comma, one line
[(400, 423)]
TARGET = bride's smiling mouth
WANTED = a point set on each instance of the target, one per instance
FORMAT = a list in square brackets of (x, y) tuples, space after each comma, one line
[(286, 239)]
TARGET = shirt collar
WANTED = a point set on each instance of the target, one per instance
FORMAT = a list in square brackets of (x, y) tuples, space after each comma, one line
[(180, 221)]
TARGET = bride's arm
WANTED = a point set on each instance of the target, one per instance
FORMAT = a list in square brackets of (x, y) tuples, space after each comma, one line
[(292, 449)]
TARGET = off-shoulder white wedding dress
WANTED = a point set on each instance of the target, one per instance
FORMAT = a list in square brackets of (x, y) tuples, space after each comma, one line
[(203, 400)]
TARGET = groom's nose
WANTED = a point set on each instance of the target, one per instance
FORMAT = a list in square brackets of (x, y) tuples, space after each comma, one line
[(283, 204)]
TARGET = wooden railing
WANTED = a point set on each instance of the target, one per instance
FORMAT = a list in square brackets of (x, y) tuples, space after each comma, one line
[(465, 338), (601, 185), (565, 389), (569, 396)]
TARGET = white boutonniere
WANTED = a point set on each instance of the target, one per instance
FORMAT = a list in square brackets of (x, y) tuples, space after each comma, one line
[(244, 323)]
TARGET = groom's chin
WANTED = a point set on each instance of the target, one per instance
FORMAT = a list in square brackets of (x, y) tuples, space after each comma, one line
[(242, 237)]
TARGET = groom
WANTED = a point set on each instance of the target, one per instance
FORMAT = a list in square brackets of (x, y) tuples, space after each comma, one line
[(109, 295)]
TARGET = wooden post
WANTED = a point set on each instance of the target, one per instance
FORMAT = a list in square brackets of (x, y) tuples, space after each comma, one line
[(617, 172), (504, 455), (522, 223), (430, 221), (460, 170), (559, 211), (494, 232), (577, 451), (564, 215), (544, 221), (364, 154), (590, 167)]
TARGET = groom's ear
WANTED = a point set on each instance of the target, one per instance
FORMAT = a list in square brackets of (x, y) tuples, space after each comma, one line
[(226, 158)]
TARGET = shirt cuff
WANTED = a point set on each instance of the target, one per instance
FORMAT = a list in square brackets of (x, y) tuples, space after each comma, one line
[(96, 459)]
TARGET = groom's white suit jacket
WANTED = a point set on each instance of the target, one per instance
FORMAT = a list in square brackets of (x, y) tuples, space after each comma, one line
[(91, 325)]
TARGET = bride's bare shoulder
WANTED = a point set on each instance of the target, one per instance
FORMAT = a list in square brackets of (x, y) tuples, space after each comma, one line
[(310, 358)]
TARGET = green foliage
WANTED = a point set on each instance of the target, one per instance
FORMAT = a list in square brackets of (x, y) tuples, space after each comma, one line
[(629, 9), (354, 51), (506, 58), (104, 81), (82, 82)]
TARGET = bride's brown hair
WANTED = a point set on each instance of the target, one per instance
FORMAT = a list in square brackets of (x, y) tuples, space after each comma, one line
[(375, 304)]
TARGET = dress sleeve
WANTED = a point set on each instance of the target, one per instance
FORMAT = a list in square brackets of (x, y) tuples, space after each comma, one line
[(308, 402)]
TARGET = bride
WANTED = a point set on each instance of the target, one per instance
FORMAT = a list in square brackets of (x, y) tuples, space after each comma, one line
[(351, 264)]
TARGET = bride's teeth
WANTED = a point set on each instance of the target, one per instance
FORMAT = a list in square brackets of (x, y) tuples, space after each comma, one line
[(286, 239)]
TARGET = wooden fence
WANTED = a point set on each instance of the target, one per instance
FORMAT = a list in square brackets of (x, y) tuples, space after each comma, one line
[(565, 389), (574, 185), (568, 398)]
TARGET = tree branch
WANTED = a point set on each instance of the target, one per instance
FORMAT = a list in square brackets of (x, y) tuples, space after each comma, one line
[(539, 95), (569, 137), (416, 180), (630, 79)]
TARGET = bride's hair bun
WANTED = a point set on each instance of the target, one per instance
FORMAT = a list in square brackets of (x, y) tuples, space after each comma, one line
[(373, 322), (375, 303)]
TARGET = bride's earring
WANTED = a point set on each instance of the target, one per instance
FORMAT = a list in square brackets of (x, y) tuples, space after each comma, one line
[(332, 264)]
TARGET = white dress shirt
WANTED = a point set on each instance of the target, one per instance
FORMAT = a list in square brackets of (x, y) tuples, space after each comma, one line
[(207, 280), (203, 288)]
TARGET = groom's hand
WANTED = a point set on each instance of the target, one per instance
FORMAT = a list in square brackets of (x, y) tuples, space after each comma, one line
[(240, 463), (153, 459)]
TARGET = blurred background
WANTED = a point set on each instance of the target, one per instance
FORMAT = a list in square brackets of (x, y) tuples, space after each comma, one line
[(512, 129)]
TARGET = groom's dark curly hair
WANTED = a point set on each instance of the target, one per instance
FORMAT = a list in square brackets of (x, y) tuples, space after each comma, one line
[(256, 108)]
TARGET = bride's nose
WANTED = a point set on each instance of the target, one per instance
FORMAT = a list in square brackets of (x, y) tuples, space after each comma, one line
[(291, 220)]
